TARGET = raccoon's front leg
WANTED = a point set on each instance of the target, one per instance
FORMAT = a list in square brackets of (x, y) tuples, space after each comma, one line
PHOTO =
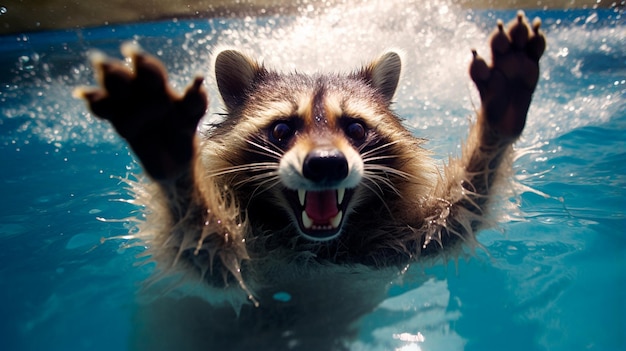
[(506, 88), (196, 225), (159, 125)]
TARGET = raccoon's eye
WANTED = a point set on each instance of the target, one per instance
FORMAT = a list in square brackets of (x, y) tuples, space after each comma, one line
[(356, 131), (281, 132)]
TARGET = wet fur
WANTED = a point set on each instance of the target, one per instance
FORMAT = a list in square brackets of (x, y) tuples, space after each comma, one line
[(218, 224)]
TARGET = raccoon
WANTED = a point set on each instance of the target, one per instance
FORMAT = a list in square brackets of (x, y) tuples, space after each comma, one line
[(310, 195)]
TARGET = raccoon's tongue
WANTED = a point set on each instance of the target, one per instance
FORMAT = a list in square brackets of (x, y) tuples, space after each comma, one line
[(321, 206)]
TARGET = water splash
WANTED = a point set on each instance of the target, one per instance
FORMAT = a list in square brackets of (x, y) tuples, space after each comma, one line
[(436, 95), (585, 49)]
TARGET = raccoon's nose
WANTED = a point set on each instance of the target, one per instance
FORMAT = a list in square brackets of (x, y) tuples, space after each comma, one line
[(325, 165)]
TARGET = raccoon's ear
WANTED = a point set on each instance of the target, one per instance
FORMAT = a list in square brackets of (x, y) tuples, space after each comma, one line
[(383, 74), (235, 74)]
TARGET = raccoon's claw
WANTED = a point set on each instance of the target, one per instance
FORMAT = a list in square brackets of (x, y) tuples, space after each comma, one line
[(150, 73), (506, 87), (194, 102), (158, 124)]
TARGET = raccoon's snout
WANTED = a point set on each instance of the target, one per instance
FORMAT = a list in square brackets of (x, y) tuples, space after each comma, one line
[(325, 165), (318, 188)]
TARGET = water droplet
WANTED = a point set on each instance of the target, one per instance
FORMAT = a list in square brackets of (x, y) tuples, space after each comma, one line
[(593, 18), (82, 240), (282, 296), (3, 10)]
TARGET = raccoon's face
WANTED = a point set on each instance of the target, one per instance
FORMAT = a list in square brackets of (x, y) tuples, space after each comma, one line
[(309, 136), (320, 171)]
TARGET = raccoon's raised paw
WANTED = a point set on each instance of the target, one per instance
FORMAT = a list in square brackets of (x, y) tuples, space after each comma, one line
[(506, 87), (158, 124)]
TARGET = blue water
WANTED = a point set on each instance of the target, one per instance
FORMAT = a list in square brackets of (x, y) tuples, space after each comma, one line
[(554, 280)]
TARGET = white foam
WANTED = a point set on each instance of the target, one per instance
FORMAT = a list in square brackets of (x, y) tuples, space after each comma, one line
[(436, 95)]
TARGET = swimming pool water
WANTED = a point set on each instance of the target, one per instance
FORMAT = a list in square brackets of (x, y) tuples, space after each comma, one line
[(553, 279)]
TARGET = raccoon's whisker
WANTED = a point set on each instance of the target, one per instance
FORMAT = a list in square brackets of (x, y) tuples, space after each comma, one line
[(390, 170), (378, 158), (259, 166), (263, 152), (380, 182), (269, 152), (378, 179), (256, 178), (376, 149), (373, 181), (255, 192), (379, 195)]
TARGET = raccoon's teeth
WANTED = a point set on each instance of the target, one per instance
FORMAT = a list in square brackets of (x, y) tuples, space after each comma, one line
[(306, 221), (340, 193), (301, 196), (336, 221)]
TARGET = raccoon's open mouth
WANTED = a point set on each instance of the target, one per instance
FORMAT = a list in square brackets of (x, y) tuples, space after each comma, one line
[(320, 214)]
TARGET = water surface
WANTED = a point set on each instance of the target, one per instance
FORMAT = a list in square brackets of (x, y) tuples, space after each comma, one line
[(553, 280)]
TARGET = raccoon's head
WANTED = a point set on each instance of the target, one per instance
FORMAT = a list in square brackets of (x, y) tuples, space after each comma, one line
[(312, 143)]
